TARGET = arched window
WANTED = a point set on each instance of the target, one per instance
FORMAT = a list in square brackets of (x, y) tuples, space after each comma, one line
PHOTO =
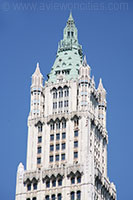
[(64, 124), (72, 196), (78, 195), (39, 127), (47, 197), (59, 197), (53, 197)]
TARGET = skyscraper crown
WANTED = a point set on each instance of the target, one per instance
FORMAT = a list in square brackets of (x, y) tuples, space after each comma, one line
[(69, 54)]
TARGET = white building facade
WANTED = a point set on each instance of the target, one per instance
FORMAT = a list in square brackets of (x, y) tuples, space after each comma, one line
[(67, 136)]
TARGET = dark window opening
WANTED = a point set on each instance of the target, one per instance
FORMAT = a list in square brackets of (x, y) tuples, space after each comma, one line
[(35, 186)]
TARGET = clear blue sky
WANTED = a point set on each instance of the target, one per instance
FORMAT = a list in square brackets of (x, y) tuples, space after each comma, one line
[(31, 34)]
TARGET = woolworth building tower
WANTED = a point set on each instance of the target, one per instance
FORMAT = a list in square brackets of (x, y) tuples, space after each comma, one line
[(67, 136)]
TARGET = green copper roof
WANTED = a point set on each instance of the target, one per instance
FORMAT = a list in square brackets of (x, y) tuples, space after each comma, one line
[(69, 54)]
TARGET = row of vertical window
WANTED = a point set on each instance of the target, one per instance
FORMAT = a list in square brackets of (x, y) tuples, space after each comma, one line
[(57, 147), (58, 136), (58, 125), (75, 195), (61, 93), (53, 183), (29, 186), (73, 180), (60, 104), (57, 157), (63, 157), (34, 198), (53, 197)]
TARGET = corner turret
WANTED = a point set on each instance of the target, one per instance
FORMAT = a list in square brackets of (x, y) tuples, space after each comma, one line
[(84, 80), (37, 97), (102, 103), (20, 186)]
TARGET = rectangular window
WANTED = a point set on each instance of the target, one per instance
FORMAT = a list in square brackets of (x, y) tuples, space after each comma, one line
[(54, 105), (47, 184), (59, 197), (53, 183), (75, 133), (58, 125), (72, 180), (66, 103), (39, 128), (39, 160), (54, 95), (63, 156), (60, 104), (51, 137), (39, 150), (39, 139), (79, 179), (52, 126), (29, 187), (60, 182), (57, 136), (76, 154), (35, 186), (78, 195), (57, 147), (72, 33), (63, 146), (72, 195), (66, 93), (64, 124), (57, 157), (61, 93), (75, 144), (52, 147), (63, 135), (47, 197), (51, 158), (53, 196)]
